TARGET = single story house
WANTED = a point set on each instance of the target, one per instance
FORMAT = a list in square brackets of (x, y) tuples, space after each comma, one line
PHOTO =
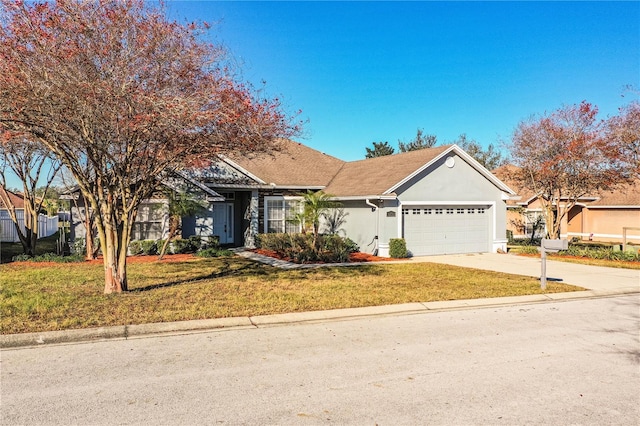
[(440, 200), (596, 217)]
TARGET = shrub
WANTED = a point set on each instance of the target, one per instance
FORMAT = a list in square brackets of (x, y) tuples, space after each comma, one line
[(149, 247), (145, 247), (79, 246), (299, 247), (21, 258), (528, 249), (214, 252), (188, 245), (49, 257), (211, 242), (398, 248)]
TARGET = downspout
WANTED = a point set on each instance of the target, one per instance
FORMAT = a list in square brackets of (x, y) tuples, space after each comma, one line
[(375, 238)]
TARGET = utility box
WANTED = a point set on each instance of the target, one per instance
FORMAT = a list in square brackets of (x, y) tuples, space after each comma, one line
[(554, 245)]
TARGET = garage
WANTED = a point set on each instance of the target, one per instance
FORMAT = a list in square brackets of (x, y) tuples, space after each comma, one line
[(446, 229)]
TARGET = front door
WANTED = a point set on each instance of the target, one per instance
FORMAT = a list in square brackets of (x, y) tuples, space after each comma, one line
[(223, 222)]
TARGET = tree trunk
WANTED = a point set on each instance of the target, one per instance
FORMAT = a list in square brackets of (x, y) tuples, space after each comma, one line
[(115, 260), (173, 231), (88, 226)]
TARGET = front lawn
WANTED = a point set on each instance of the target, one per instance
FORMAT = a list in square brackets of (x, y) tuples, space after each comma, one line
[(40, 297)]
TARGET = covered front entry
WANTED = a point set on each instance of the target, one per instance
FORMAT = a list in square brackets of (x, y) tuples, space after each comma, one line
[(446, 229), (217, 221)]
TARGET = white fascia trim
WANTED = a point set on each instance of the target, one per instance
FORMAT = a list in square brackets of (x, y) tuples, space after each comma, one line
[(586, 234), (492, 204), (419, 170), (365, 197), (302, 187), (611, 207), (241, 169), (262, 186), (479, 167)]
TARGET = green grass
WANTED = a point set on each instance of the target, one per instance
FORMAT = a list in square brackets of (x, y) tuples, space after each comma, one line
[(35, 297)]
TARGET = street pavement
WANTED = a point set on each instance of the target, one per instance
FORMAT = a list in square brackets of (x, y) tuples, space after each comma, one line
[(575, 362)]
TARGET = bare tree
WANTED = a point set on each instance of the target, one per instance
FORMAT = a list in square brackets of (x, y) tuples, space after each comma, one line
[(117, 91), (31, 164)]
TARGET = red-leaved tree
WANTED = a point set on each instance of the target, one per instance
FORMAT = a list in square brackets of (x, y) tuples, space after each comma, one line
[(122, 96), (566, 155), (624, 131)]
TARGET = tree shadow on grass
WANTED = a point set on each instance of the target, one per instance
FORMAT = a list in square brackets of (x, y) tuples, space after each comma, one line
[(256, 269)]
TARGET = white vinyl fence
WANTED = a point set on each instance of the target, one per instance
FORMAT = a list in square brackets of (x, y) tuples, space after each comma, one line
[(47, 225)]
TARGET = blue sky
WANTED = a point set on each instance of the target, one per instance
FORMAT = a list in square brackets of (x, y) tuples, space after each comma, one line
[(377, 71)]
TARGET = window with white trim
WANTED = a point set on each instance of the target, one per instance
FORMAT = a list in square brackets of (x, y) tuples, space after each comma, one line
[(278, 214), (150, 220)]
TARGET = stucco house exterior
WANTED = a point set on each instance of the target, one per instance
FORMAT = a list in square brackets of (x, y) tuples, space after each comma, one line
[(595, 217), (439, 199)]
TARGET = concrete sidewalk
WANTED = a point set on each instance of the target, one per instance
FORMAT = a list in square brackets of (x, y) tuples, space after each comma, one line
[(599, 281), (596, 278)]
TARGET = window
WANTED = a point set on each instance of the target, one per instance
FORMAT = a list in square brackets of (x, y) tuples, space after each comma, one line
[(416, 211), (449, 211), (405, 211), (427, 211), (460, 211), (438, 211), (278, 214), (481, 210), (471, 211), (149, 224)]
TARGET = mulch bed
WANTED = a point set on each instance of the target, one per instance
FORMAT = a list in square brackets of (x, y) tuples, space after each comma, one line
[(168, 258), (353, 257)]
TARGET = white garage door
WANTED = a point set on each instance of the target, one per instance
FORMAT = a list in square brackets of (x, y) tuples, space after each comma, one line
[(446, 229)]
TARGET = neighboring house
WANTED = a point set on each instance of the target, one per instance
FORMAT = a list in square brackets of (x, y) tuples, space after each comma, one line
[(439, 199), (596, 217), (46, 225)]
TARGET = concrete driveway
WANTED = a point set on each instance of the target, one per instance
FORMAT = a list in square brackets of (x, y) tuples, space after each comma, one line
[(596, 278)]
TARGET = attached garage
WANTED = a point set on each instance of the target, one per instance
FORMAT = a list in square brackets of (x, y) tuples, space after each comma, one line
[(447, 229)]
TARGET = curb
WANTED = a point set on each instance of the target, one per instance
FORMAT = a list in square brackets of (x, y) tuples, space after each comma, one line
[(126, 332)]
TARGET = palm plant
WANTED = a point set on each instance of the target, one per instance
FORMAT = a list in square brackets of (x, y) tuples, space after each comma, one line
[(315, 205)]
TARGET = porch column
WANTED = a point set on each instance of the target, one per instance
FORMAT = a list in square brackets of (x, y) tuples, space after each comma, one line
[(252, 230)]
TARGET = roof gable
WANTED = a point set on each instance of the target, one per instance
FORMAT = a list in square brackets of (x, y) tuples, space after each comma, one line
[(384, 175), (376, 176)]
